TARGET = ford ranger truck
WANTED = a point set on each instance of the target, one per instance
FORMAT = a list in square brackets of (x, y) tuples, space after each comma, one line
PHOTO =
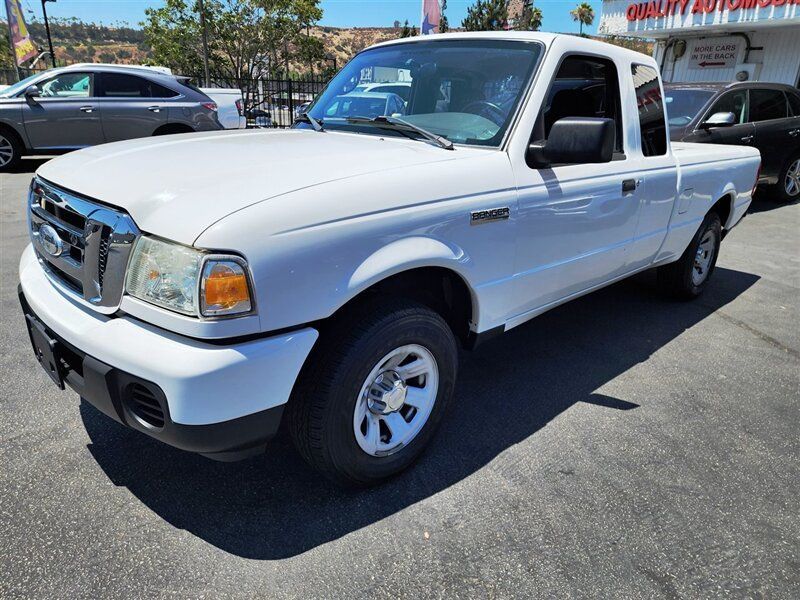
[(325, 276)]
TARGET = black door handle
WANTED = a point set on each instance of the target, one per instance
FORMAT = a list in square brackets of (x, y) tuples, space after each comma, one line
[(629, 185), (747, 139)]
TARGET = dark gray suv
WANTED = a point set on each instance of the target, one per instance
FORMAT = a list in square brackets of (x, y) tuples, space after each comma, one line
[(83, 105)]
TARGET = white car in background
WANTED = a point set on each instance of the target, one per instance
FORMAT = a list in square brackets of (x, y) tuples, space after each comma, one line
[(230, 107)]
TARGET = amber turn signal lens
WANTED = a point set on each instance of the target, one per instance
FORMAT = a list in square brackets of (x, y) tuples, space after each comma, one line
[(225, 289)]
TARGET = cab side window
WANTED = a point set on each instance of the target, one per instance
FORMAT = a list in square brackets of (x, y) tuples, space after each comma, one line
[(732, 102), (652, 117), (584, 86), (766, 105)]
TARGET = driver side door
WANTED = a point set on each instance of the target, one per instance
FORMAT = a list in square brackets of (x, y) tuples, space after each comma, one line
[(576, 221), (65, 115)]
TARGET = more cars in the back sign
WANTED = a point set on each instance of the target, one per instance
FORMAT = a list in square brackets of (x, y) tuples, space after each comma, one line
[(87, 104), (763, 115)]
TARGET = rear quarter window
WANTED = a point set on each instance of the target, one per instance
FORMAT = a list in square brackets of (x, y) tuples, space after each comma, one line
[(652, 118)]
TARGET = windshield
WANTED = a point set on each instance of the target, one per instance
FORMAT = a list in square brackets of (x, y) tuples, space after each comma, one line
[(18, 87), (465, 91), (683, 105)]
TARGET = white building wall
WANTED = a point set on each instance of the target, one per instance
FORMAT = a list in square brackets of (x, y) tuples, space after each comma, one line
[(776, 28), (614, 19), (778, 62)]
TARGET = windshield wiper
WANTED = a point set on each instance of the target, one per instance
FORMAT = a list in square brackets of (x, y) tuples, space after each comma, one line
[(307, 118), (395, 123)]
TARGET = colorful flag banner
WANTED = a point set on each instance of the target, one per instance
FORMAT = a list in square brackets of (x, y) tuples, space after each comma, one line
[(431, 15), (23, 46)]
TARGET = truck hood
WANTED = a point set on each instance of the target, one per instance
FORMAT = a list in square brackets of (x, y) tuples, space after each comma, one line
[(177, 186)]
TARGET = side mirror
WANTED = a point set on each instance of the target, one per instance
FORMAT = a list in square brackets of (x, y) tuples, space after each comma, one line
[(575, 140), (720, 119), (31, 92)]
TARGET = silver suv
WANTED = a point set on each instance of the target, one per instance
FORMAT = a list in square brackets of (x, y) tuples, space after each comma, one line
[(83, 105)]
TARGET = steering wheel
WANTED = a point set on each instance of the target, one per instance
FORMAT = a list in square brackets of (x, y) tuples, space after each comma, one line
[(495, 114)]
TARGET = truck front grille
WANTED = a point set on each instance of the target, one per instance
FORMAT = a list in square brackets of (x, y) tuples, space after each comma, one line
[(82, 244)]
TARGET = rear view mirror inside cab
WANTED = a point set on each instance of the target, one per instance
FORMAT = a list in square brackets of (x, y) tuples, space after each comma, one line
[(574, 140)]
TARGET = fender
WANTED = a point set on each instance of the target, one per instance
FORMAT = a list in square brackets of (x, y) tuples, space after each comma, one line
[(407, 254)]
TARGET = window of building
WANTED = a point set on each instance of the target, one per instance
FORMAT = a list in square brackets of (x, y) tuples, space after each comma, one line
[(583, 87), (652, 117), (767, 104)]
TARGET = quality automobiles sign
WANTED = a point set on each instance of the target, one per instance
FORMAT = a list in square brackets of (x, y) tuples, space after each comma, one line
[(711, 54), (656, 9)]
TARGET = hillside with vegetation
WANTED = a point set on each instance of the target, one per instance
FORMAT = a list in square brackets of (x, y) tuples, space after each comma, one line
[(77, 41)]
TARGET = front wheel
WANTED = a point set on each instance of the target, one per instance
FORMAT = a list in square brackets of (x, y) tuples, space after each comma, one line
[(689, 276), (10, 151), (374, 391)]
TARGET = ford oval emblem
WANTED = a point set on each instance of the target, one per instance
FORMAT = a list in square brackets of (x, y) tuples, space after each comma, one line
[(51, 243)]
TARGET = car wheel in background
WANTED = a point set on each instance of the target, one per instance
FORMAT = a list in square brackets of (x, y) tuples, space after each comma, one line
[(689, 276), (374, 391), (10, 150), (788, 187)]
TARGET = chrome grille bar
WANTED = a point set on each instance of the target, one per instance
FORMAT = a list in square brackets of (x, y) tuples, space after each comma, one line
[(81, 244)]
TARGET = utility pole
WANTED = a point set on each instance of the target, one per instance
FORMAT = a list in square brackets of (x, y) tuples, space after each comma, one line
[(205, 42), (47, 28)]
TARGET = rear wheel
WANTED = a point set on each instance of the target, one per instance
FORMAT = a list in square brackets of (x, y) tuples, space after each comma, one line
[(10, 150), (689, 276), (788, 187), (374, 391)]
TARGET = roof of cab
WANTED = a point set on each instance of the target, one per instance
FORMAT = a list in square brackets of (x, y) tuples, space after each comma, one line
[(578, 43)]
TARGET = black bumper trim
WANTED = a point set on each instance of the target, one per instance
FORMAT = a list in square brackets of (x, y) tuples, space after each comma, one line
[(104, 387)]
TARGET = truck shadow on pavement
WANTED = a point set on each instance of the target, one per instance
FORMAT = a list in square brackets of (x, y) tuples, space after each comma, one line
[(274, 506)]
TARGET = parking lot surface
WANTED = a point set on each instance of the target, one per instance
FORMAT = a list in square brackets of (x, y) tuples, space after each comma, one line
[(621, 446)]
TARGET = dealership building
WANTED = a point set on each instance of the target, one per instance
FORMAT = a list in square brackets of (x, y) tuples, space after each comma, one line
[(714, 40)]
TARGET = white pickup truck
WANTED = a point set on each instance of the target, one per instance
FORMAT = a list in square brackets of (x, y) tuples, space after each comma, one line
[(325, 276)]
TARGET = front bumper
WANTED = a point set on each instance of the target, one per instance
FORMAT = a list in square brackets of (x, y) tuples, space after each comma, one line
[(219, 400)]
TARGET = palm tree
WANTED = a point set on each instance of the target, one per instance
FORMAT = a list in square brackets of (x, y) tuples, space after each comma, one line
[(584, 14)]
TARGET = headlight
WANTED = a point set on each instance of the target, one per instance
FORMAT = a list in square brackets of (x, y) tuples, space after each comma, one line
[(187, 280)]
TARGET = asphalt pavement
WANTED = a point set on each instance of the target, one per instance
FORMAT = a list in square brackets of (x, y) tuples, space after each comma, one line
[(621, 446)]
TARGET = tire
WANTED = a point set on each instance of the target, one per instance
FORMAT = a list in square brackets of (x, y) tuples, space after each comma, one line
[(10, 150), (335, 413), (788, 186), (688, 277)]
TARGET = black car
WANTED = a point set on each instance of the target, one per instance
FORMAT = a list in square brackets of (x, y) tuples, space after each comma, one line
[(763, 115)]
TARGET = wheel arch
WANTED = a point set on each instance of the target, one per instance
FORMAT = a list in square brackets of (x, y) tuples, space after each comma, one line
[(724, 206), (424, 270), (11, 130), (172, 128)]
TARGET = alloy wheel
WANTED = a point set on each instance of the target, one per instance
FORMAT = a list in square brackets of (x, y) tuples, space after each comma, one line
[(792, 181), (6, 151)]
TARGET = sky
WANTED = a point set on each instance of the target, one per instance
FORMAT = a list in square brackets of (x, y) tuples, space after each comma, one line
[(337, 13)]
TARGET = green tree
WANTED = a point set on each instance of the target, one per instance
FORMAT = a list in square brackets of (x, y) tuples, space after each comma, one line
[(6, 58), (246, 38), (444, 24), (583, 14), (486, 15), (530, 19), (406, 31)]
